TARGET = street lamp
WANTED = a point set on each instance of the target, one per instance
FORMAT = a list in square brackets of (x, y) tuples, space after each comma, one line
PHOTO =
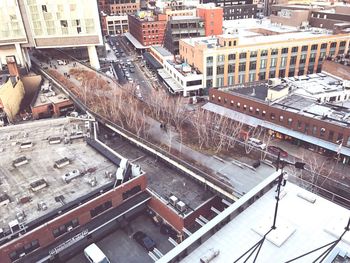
[(281, 181)]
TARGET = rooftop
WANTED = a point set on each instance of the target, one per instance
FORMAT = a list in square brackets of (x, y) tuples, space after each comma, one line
[(176, 18), (184, 68), (254, 31), (162, 50), (49, 94), (36, 180), (301, 227)]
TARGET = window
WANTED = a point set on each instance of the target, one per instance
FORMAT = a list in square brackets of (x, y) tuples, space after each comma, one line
[(231, 68), (27, 248), (231, 56), (231, 103), (294, 49), (253, 54), (322, 132), (264, 53), (250, 109), (244, 107), (100, 209), (273, 62), (44, 8), (252, 65), (304, 48), (272, 116), (225, 100), (290, 121), (342, 44), (64, 23), (263, 63), (314, 129), (333, 44), (281, 118), (242, 55), (339, 138), (306, 128), (263, 113), (314, 47), (299, 125), (257, 111), (284, 50), (220, 70), (238, 105), (331, 135), (209, 71), (274, 51), (283, 61), (221, 58), (132, 191), (209, 59), (241, 66), (323, 46), (293, 60), (65, 228)]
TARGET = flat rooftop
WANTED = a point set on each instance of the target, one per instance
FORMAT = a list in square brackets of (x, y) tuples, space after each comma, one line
[(49, 94), (162, 50), (255, 31), (15, 181), (301, 227)]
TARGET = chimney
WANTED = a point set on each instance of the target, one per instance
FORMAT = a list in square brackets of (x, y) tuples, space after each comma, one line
[(12, 66)]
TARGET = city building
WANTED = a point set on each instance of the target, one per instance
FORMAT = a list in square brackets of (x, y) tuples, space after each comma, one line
[(50, 102), (331, 18), (123, 7), (179, 27), (235, 9), (146, 29), (164, 4), (257, 228), (178, 9), (209, 13), (258, 50), (290, 17), (27, 24), (305, 110), (114, 24)]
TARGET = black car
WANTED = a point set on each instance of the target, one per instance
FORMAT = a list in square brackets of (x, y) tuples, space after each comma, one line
[(144, 240), (168, 230)]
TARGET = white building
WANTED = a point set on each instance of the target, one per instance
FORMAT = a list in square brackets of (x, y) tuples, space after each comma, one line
[(48, 24), (117, 24)]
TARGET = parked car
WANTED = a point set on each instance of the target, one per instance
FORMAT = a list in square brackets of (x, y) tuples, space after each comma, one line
[(144, 240), (257, 143), (131, 70), (276, 150), (168, 230), (131, 65), (130, 80), (95, 255)]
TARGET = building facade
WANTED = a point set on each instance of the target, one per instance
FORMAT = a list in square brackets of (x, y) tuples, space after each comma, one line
[(230, 59), (210, 14), (328, 19), (29, 23), (290, 117), (235, 9), (115, 25), (148, 29), (123, 7), (182, 27)]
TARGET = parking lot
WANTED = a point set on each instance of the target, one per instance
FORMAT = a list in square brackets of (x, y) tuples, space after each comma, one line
[(120, 247)]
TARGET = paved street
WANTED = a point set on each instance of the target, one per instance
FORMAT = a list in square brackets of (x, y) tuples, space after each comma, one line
[(120, 247)]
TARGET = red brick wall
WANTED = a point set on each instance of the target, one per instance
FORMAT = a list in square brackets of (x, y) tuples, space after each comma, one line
[(278, 112), (212, 20), (44, 232), (166, 212), (203, 210)]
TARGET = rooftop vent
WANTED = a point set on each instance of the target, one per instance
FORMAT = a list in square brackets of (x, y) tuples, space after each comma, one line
[(181, 206), (173, 200)]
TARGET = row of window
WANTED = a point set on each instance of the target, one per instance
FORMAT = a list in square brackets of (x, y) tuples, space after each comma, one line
[(274, 51), (22, 251), (65, 228), (304, 127), (100, 209)]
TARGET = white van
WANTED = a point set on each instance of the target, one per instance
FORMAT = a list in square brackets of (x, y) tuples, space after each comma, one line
[(95, 255)]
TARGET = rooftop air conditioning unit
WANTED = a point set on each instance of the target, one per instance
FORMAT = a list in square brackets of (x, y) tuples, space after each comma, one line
[(14, 226), (70, 228), (181, 206), (173, 200), (274, 82)]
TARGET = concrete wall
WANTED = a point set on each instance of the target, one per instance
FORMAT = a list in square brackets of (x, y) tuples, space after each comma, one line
[(296, 19)]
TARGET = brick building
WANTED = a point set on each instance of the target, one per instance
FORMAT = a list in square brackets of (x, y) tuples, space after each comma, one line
[(147, 29), (210, 15), (323, 125), (122, 7), (235, 9)]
